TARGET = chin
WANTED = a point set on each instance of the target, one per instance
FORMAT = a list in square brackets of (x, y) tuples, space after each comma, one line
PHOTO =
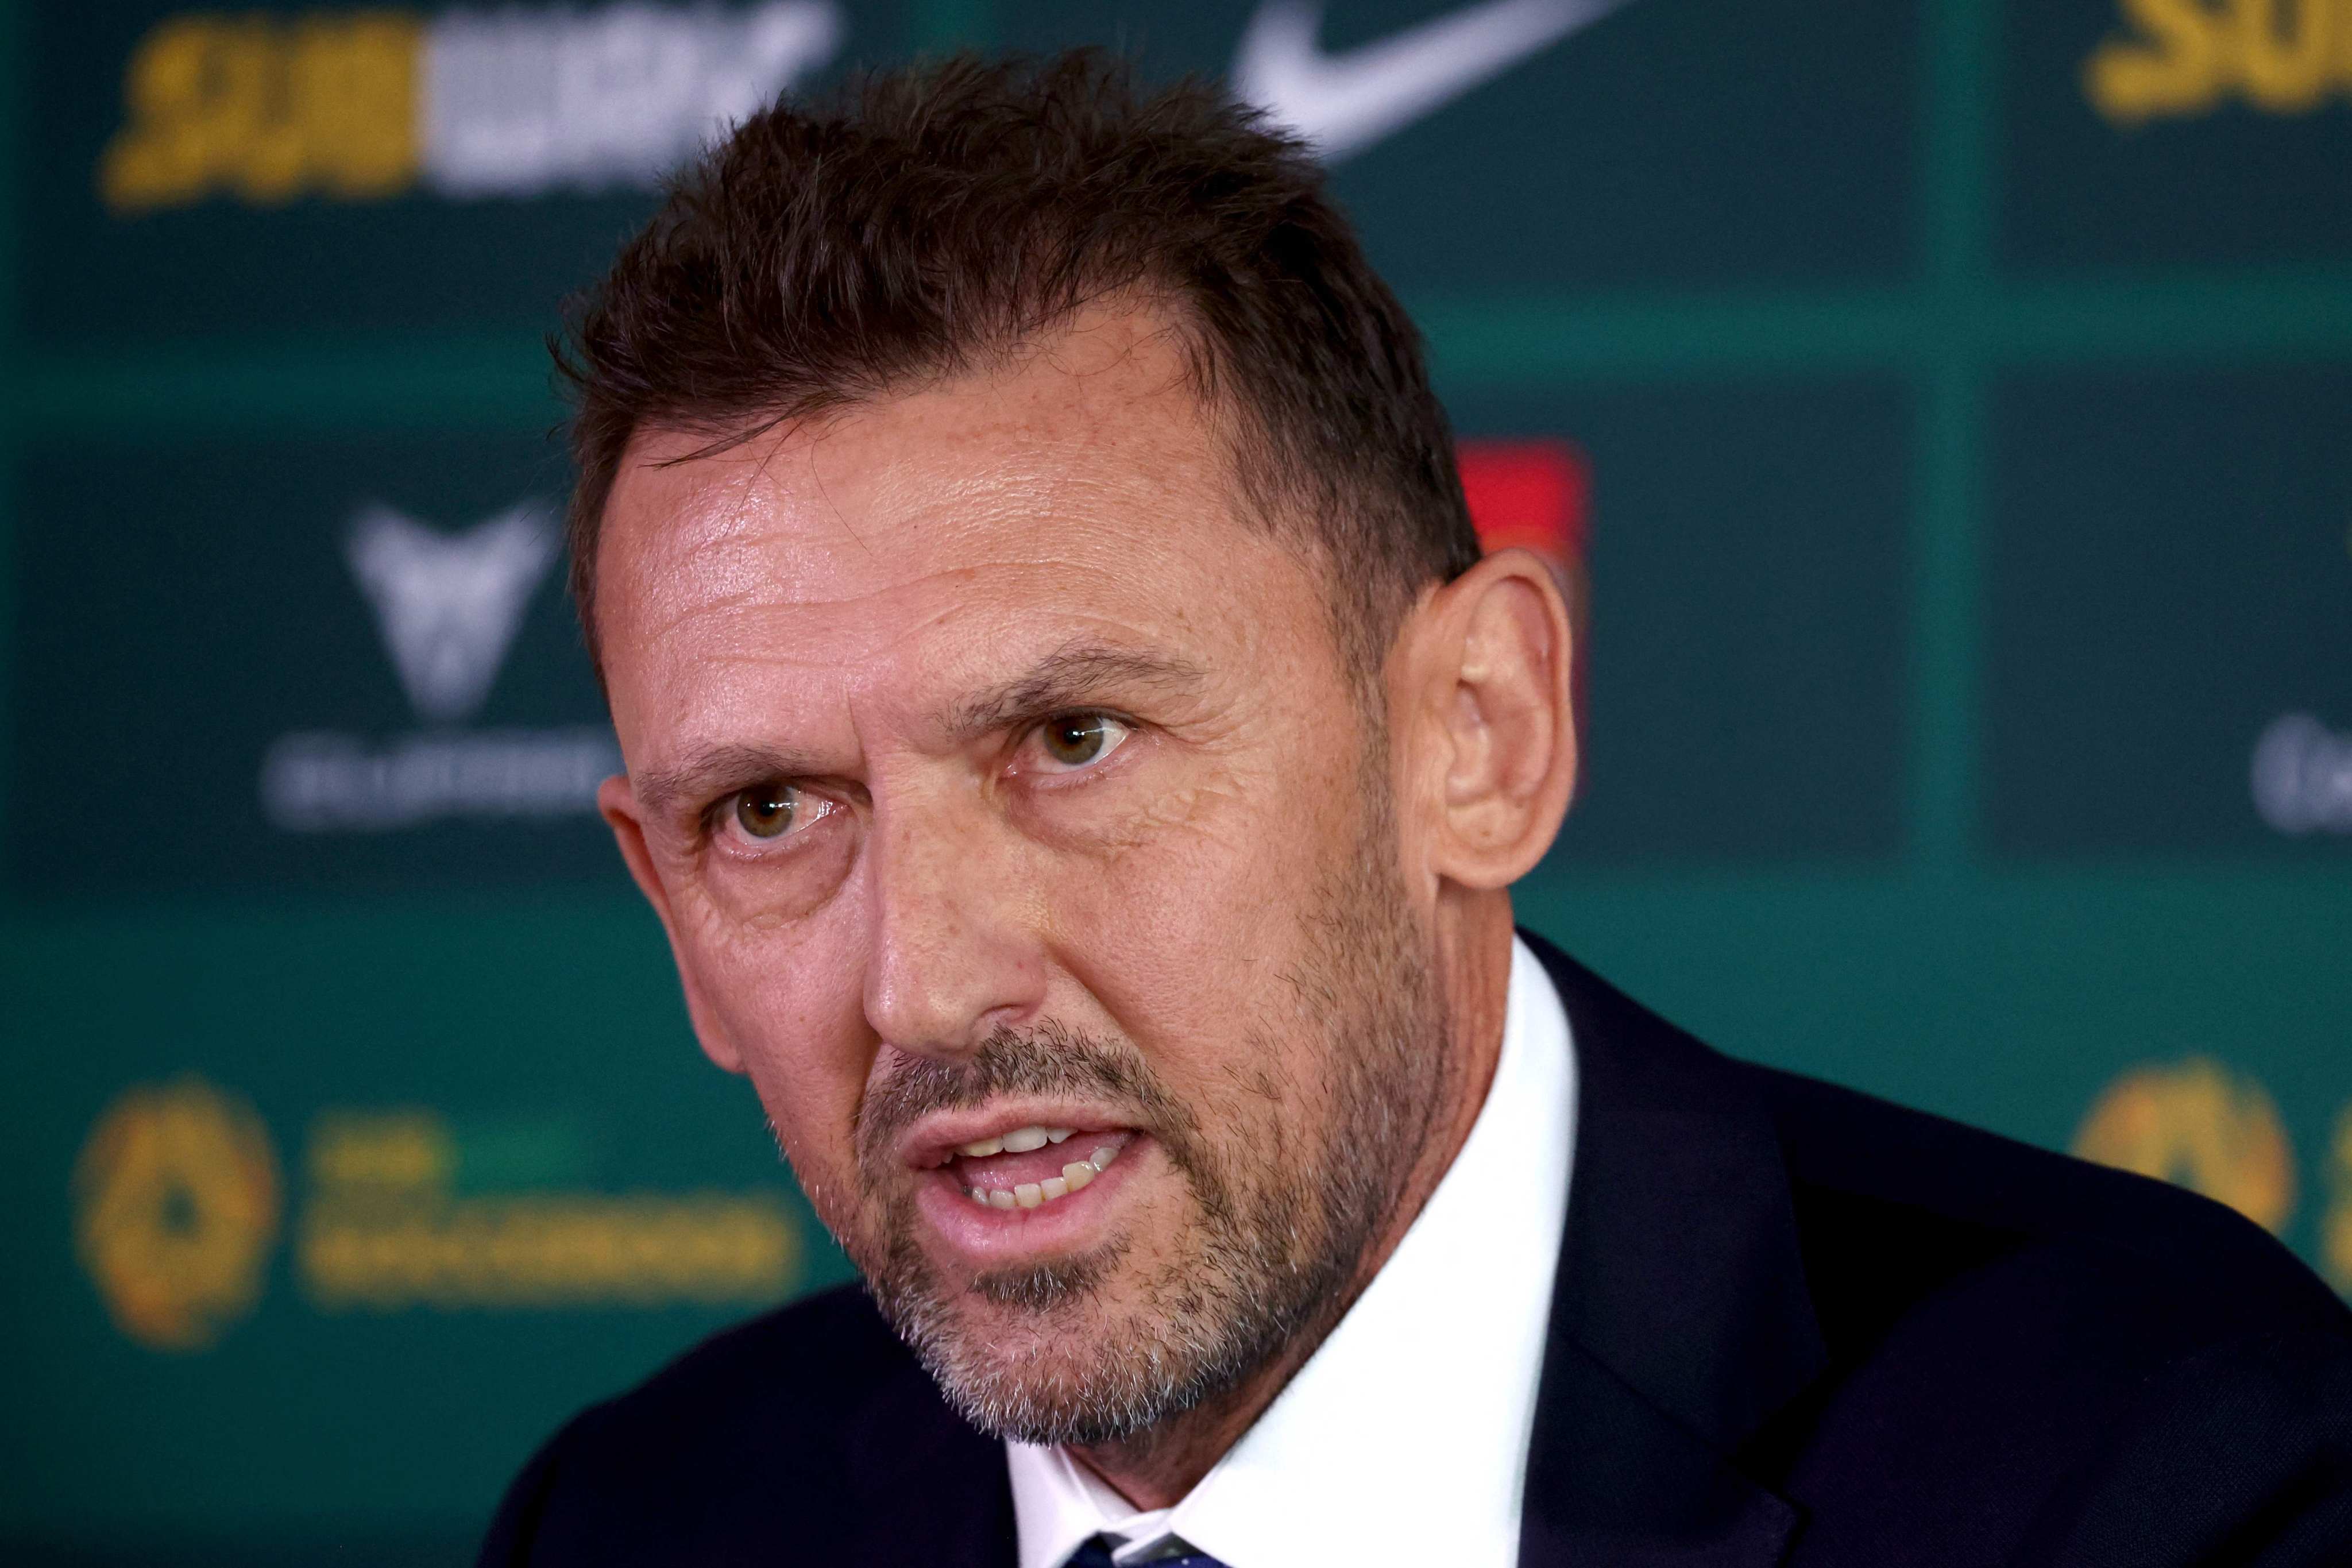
[(1050, 1354), (1051, 1390), (1048, 1323)]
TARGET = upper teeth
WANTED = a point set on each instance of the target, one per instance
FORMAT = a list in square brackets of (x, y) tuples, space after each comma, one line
[(1020, 1141)]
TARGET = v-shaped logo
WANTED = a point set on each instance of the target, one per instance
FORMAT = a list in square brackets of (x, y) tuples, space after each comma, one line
[(450, 604)]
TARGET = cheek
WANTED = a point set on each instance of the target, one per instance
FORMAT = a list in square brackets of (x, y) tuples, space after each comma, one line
[(763, 939), (789, 995), (1192, 937)]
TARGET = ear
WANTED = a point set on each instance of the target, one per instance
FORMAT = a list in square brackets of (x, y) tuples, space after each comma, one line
[(618, 802), (1487, 664)]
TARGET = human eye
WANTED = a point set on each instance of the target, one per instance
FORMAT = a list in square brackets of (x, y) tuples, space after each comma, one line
[(765, 814), (1070, 742)]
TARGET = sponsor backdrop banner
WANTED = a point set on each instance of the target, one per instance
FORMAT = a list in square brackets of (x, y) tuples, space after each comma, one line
[(302, 169), (1936, 411)]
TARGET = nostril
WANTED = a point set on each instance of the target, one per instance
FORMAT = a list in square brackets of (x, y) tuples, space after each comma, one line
[(1005, 1018)]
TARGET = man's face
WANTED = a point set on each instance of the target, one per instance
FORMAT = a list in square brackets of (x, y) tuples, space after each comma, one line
[(1019, 832)]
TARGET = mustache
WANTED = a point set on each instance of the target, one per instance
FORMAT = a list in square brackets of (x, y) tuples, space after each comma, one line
[(1046, 1058)]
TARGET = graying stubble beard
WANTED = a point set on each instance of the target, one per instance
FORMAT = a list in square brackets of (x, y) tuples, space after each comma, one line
[(1278, 1248)]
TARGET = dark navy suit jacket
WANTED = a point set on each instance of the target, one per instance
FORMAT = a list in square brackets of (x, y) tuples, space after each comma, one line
[(1793, 1325)]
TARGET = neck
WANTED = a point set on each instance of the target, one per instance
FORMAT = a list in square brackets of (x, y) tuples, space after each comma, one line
[(1156, 1468)]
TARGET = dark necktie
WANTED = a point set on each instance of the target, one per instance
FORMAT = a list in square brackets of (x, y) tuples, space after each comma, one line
[(1094, 1555)]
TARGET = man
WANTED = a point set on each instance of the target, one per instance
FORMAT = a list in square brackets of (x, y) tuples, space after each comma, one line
[(1080, 758)]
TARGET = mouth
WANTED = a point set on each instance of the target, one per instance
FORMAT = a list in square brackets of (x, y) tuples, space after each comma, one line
[(1033, 1165), (1013, 1180)]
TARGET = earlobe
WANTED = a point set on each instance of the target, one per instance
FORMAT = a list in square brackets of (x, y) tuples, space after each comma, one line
[(618, 802), (1499, 690)]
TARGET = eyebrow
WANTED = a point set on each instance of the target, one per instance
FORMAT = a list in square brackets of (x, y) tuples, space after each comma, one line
[(1070, 676)]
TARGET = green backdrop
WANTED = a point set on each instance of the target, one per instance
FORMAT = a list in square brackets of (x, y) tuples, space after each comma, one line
[(1966, 390)]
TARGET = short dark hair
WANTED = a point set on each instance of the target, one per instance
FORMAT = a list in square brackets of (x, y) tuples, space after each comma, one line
[(927, 221)]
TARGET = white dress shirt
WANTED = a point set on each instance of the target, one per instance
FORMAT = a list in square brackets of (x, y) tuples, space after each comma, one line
[(1405, 1437)]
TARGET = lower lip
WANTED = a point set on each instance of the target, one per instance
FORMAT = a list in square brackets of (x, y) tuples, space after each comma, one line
[(987, 1235)]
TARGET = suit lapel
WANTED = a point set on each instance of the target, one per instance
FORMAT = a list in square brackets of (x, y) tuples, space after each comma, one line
[(1680, 1318), (1613, 1479), (932, 1491)]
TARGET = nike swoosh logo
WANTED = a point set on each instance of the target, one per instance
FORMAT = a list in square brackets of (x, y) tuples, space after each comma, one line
[(1343, 103)]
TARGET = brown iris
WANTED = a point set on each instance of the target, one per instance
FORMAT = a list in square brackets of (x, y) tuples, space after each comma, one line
[(766, 811), (1077, 739)]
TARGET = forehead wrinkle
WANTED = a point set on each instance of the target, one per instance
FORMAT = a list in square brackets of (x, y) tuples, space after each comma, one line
[(752, 624), (709, 519), (741, 617)]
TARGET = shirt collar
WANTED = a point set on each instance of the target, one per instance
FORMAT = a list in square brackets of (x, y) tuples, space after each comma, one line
[(1425, 1390)]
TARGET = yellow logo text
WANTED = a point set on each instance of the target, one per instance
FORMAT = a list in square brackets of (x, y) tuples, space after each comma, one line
[(266, 109), (2182, 58), (385, 1230)]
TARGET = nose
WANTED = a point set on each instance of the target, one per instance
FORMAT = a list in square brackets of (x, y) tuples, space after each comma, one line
[(951, 955)]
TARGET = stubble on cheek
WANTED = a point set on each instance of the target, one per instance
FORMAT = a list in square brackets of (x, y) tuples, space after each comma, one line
[(810, 1101)]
